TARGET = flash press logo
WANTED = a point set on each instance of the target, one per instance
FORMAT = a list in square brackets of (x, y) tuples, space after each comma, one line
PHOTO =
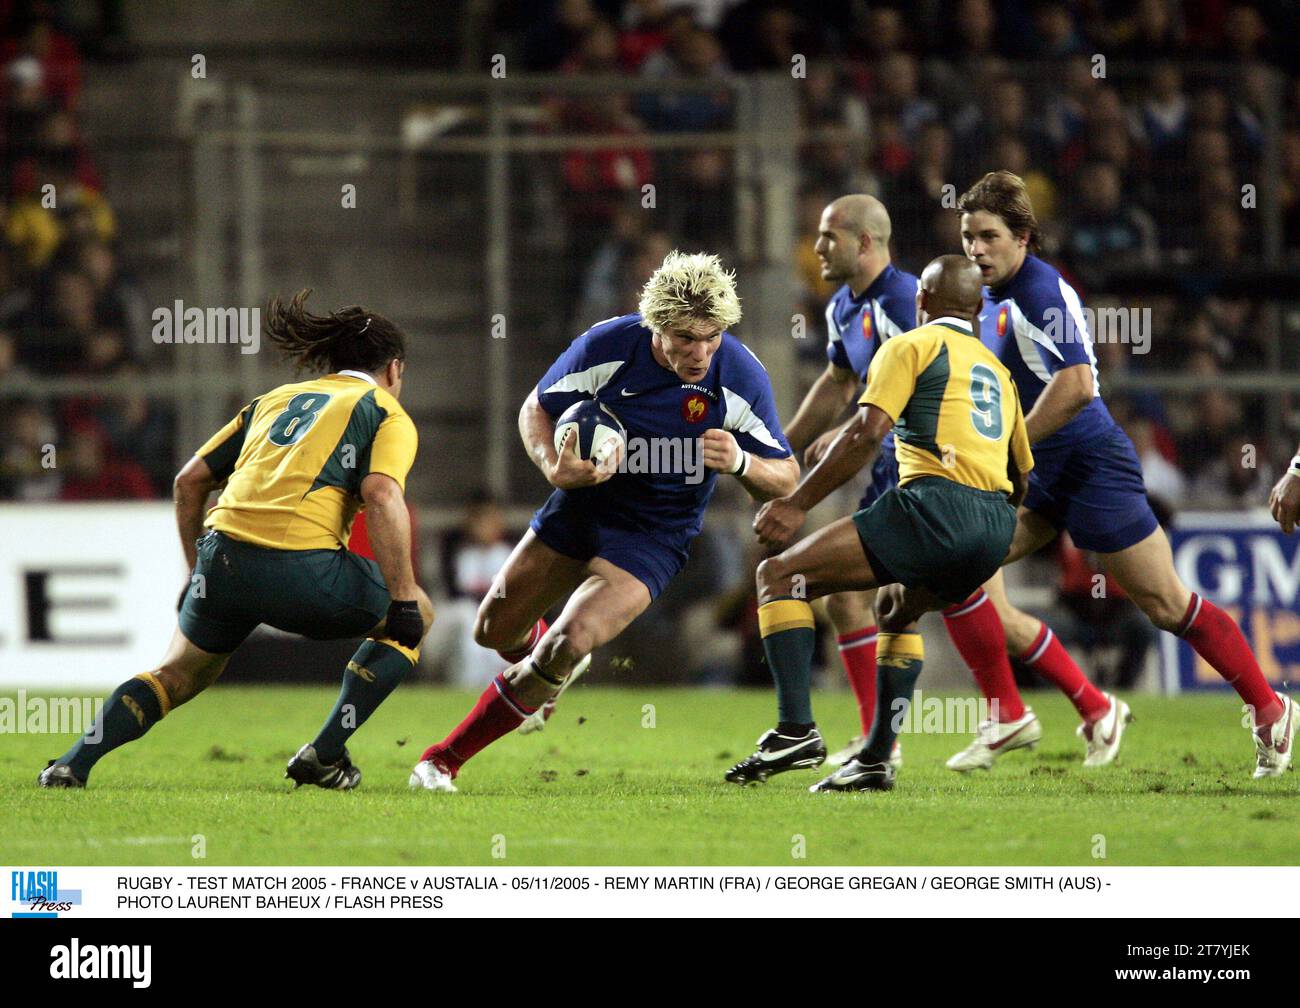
[(37, 894), (75, 961)]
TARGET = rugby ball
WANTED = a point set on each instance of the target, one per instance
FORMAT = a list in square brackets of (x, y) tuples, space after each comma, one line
[(597, 433)]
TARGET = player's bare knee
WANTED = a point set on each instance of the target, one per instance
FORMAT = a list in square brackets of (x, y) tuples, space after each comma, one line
[(490, 631), (774, 579)]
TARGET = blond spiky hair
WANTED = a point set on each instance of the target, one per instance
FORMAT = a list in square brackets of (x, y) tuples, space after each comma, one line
[(689, 287)]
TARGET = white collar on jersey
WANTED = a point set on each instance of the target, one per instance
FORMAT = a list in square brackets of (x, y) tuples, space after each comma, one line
[(360, 374), (959, 323)]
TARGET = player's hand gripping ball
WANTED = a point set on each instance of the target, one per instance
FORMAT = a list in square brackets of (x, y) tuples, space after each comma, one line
[(594, 434)]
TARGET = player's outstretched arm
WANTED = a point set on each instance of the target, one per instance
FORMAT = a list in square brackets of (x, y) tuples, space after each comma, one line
[(833, 390), (1284, 501), (190, 491), (563, 470), (779, 520)]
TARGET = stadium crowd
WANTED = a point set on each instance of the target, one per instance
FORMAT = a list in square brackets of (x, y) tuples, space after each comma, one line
[(1141, 129), (66, 307)]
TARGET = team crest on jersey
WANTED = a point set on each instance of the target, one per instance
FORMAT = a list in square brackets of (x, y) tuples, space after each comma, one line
[(694, 408), (1003, 313), (866, 325)]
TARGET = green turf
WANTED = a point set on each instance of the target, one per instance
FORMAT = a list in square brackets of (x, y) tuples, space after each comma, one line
[(597, 787)]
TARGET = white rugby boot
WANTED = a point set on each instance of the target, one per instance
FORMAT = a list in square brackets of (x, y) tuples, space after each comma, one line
[(995, 738), (1273, 742), (430, 776), (1103, 736)]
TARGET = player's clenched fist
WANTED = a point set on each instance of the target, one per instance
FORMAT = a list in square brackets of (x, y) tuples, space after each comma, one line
[(779, 521), (569, 472), (719, 452), (1284, 502)]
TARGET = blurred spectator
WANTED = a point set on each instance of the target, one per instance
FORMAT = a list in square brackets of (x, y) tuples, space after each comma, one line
[(32, 35), (552, 38), (472, 554), (29, 460), (1239, 476), (647, 26), (10, 368), (1054, 33), (1164, 113), (1106, 230), (1163, 479), (691, 54), (37, 228), (91, 472), (1154, 29), (603, 291)]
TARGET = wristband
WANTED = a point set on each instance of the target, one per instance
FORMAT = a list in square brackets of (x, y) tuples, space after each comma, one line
[(1294, 470), (741, 469)]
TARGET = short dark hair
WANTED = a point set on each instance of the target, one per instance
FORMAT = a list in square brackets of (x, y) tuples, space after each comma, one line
[(1003, 193)]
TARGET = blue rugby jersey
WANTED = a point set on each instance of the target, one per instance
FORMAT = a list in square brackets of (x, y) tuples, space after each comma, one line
[(612, 362), (857, 326), (1035, 325)]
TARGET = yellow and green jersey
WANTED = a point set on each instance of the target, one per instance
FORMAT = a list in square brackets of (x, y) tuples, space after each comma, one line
[(955, 408), (293, 461)]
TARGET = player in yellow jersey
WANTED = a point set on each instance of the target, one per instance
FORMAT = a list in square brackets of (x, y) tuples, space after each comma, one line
[(963, 459), (294, 467)]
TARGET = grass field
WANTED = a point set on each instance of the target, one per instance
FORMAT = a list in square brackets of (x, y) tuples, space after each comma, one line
[(598, 788)]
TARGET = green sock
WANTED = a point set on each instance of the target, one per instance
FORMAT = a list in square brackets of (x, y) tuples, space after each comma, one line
[(374, 671), (131, 710), (788, 641), (899, 658)]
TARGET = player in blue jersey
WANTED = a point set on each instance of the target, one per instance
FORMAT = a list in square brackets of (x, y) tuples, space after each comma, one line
[(876, 302), (1087, 479), (695, 403)]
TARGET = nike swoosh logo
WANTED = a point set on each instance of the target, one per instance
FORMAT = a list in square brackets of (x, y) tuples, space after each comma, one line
[(1285, 744), (768, 756), (625, 392), (1001, 742)]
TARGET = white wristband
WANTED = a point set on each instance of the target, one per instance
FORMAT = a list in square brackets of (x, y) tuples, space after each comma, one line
[(1295, 466), (743, 467)]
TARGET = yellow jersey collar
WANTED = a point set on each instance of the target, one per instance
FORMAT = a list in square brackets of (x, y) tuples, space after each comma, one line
[(359, 374), (953, 323)]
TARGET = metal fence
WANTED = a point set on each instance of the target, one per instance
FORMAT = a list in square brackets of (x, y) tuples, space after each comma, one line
[(484, 215)]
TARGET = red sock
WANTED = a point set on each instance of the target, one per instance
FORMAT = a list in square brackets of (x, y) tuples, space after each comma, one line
[(534, 635), (858, 652), (497, 713), (977, 634), (1047, 656), (1217, 639)]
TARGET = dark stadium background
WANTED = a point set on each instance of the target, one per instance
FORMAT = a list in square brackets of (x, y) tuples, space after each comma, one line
[(500, 154)]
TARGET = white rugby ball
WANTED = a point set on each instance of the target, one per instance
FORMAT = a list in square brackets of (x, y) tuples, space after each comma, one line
[(597, 434)]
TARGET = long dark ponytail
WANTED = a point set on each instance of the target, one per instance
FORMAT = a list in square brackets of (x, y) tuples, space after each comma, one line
[(352, 338)]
